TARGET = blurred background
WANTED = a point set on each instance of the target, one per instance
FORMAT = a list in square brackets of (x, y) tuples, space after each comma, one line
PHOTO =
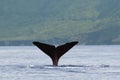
[(91, 22)]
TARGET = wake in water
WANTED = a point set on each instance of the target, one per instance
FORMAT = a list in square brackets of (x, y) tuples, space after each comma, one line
[(103, 68)]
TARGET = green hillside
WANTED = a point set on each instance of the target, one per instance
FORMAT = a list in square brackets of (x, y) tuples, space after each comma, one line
[(59, 21)]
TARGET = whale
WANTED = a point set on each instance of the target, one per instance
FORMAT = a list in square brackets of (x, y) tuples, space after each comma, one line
[(55, 52)]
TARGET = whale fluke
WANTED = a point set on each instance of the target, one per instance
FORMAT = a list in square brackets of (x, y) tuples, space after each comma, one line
[(55, 52)]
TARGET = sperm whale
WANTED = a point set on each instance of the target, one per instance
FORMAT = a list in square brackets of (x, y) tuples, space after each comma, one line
[(54, 52)]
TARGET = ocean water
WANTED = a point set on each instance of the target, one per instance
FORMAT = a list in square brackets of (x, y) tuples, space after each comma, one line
[(80, 63)]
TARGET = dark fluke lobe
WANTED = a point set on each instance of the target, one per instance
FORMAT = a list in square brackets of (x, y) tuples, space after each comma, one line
[(55, 52)]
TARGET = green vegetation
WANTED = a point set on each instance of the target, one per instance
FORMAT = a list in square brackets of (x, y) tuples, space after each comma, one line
[(59, 21)]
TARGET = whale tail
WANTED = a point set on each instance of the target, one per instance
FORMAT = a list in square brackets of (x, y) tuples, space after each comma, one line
[(55, 52)]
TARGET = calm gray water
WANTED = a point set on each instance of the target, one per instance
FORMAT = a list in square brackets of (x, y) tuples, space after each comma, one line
[(80, 63)]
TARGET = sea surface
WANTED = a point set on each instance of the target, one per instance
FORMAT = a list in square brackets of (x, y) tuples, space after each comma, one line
[(80, 63)]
